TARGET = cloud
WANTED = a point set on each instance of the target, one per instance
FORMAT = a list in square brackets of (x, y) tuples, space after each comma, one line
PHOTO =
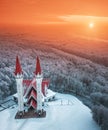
[(82, 18)]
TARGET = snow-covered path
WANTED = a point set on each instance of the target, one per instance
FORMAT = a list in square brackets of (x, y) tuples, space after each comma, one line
[(66, 113)]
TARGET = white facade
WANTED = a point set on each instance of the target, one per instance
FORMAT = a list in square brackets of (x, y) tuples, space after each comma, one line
[(39, 92), (19, 82), (46, 90)]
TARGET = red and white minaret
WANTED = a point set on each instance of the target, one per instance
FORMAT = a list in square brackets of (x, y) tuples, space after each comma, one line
[(19, 82), (39, 78)]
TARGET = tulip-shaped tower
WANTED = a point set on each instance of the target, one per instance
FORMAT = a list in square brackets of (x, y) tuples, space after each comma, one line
[(19, 83), (39, 78)]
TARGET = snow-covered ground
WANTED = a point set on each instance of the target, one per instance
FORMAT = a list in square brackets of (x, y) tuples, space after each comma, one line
[(65, 113)]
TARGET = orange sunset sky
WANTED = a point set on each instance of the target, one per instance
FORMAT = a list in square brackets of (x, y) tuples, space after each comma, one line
[(52, 11)]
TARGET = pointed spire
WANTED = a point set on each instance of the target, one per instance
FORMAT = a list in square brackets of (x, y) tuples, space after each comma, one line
[(38, 67), (18, 69)]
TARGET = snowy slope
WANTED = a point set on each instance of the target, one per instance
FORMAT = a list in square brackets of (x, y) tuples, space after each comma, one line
[(66, 113)]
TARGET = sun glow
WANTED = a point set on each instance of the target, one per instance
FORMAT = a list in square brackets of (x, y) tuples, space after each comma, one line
[(91, 25)]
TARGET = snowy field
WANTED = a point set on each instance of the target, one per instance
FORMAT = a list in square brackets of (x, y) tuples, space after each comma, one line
[(66, 113)]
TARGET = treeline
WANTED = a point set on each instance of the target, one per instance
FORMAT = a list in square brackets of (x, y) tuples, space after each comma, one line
[(7, 83), (100, 108)]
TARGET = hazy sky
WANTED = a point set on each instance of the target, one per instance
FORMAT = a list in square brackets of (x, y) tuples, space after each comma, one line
[(49, 11)]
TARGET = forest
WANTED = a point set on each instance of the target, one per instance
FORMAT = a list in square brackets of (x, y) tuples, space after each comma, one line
[(67, 72)]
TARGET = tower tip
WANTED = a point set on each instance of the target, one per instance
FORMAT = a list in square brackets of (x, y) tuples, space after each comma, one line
[(18, 69), (38, 67)]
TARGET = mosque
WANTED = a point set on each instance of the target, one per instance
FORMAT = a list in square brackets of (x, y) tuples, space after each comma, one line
[(31, 93)]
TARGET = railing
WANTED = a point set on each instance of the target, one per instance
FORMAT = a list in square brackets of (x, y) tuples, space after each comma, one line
[(7, 104)]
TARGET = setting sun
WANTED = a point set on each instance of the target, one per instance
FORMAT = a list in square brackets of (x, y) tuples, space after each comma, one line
[(91, 25)]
